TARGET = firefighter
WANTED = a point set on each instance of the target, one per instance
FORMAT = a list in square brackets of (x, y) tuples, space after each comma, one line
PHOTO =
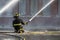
[(18, 24)]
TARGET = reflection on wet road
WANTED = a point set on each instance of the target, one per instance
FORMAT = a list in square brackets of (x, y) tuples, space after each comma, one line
[(43, 37), (8, 37), (29, 37)]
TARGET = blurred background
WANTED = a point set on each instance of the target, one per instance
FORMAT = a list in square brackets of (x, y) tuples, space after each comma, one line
[(49, 19)]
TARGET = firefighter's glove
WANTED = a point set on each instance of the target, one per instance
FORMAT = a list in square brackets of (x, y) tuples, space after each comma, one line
[(26, 23)]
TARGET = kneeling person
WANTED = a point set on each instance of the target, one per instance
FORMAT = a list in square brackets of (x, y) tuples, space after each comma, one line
[(17, 24)]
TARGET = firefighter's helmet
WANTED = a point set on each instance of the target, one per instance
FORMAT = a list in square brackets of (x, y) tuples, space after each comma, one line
[(17, 14)]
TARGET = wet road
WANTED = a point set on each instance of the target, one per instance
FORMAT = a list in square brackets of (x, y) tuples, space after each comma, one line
[(42, 37), (9, 37), (30, 37)]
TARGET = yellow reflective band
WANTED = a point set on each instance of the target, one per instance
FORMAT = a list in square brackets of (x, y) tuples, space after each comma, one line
[(24, 39), (21, 29), (17, 24), (21, 32), (17, 14)]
